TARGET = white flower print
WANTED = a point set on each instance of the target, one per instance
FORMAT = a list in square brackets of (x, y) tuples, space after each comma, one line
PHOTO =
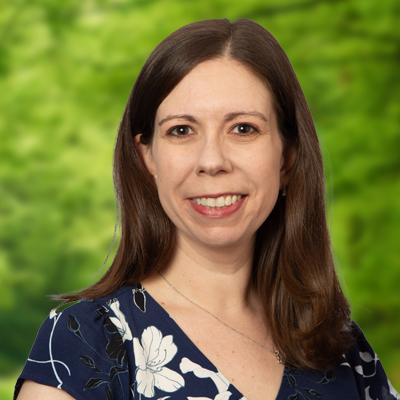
[(367, 358), (219, 380), (151, 356), (220, 396), (54, 362), (119, 321)]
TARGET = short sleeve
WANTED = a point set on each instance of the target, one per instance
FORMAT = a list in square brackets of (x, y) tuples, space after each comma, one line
[(369, 373), (79, 351)]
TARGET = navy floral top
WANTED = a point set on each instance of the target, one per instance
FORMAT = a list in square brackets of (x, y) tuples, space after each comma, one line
[(126, 346)]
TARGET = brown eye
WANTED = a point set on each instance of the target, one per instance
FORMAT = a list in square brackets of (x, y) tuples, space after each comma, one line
[(180, 129), (245, 132)]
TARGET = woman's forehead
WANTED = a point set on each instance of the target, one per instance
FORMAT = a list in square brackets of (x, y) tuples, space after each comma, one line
[(215, 98), (216, 82)]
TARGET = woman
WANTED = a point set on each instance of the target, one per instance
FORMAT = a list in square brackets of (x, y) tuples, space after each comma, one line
[(223, 286)]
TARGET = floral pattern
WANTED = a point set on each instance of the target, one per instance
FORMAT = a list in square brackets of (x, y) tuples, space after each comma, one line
[(126, 346), (151, 357), (119, 321)]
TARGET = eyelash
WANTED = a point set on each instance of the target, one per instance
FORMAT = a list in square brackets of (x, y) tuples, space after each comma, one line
[(255, 130)]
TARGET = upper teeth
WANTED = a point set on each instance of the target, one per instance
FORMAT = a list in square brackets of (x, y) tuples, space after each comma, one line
[(219, 201)]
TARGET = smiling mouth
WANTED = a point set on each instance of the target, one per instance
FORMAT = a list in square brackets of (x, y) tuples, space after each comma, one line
[(218, 207), (214, 196)]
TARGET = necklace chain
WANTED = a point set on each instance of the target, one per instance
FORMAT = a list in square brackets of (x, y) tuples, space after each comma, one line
[(276, 353)]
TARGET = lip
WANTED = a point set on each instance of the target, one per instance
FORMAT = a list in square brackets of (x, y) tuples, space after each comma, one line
[(218, 212), (215, 195)]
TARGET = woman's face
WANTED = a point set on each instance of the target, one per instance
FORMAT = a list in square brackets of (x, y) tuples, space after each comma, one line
[(208, 151)]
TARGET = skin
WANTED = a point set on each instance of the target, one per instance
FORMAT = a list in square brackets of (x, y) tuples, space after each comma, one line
[(32, 391), (213, 260)]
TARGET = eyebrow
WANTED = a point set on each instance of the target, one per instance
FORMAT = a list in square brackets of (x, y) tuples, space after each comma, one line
[(228, 117)]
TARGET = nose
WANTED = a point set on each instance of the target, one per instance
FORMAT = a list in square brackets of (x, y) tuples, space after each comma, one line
[(213, 157)]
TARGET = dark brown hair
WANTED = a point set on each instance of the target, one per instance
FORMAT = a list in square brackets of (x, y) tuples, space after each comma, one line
[(293, 269)]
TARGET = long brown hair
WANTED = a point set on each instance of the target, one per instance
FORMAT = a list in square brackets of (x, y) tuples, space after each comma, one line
[(293, 269)]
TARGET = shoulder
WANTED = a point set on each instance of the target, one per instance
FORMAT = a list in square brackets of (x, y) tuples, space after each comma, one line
[(80, 348), (94, 315), (86, 317), (368, 370)]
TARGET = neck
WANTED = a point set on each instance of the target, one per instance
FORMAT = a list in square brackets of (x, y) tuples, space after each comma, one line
[(218, 280)]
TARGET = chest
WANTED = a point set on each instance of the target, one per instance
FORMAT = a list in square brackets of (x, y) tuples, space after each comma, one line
[(253, 370)]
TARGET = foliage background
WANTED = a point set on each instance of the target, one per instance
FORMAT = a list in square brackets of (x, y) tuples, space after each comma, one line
[(66, 70)]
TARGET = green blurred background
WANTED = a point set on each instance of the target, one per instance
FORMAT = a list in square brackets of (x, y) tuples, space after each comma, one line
[(66, 70)]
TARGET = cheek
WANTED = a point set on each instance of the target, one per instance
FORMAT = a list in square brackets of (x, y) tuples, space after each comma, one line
[(171, 172), (264, 166), (270, 169), (268, 184), (172, 159)]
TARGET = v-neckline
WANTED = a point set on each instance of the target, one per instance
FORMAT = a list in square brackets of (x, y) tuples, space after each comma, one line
[(178, 329)]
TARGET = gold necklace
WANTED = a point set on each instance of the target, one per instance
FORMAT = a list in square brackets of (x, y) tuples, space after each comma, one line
[(275, 352)]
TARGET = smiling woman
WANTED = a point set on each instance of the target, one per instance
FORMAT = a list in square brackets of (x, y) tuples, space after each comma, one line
[(224, 284), (220, 154)]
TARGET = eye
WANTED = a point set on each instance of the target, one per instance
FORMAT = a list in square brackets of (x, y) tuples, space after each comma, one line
[(254, 129), (179, 128)]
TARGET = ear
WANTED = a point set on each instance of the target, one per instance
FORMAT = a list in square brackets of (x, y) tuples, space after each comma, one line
[(145, 151)]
